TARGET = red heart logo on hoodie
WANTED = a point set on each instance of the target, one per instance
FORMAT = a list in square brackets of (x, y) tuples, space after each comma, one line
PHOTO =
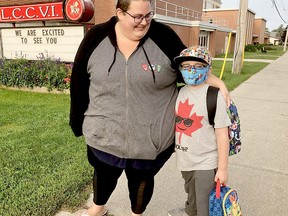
[(145, 66)]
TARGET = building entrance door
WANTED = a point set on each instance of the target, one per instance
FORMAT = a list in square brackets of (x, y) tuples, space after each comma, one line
[(204, 39)]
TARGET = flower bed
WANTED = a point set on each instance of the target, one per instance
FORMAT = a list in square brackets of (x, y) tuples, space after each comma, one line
[(48, 73)]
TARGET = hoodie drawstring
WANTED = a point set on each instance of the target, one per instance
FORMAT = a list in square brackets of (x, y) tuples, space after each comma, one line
[(150, 65), (114, 59)]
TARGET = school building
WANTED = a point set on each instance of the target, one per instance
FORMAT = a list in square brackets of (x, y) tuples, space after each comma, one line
[(36, 29), (255, 26)]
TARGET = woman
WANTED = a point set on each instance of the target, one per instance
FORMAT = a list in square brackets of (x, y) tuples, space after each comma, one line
[(123, 93)]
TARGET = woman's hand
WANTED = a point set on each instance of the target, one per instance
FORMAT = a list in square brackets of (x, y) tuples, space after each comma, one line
[(224, 91)]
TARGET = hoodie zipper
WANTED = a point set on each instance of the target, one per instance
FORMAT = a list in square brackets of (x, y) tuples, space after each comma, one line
[(126, 111)]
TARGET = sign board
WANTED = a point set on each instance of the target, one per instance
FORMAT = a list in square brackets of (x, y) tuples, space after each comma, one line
[(45, 42)]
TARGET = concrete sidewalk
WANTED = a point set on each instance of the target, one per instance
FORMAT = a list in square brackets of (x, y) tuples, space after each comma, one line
[(259, 173)]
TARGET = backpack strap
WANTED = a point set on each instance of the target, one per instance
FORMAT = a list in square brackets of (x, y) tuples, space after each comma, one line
[(211, 102)]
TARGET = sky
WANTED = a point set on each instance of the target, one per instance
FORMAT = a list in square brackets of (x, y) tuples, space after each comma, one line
[(264, 9)]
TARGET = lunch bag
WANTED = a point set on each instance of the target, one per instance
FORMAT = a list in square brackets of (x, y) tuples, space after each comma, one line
[(223, 201)]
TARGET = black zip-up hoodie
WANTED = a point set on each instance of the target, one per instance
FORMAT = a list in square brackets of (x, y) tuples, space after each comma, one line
[(126, 108)]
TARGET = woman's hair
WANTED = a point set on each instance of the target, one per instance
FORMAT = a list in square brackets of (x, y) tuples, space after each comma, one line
[(124, 4)]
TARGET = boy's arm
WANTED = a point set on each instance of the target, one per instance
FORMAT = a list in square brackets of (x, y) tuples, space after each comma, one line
[(223, 154), (216, 82)]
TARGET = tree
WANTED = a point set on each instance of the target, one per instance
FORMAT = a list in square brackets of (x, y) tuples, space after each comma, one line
[(279, 31)]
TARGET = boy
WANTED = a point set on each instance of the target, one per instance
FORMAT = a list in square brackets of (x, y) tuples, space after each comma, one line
[(201, 150)]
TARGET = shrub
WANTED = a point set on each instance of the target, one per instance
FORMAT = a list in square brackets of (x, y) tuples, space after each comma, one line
[(250, 48), (269, 48), (48, 73), (259, 46)]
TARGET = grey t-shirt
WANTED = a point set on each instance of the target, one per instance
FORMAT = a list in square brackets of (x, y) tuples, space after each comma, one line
[(196, 147)]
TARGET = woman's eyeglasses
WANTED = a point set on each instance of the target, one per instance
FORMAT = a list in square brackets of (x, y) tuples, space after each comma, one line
[(139, 18)]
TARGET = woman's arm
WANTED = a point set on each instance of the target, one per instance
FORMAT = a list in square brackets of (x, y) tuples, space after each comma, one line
[(216, 82)]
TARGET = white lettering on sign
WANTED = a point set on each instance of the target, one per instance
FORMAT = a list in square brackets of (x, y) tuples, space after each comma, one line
[(44, 14), (14, 13), (57, 42), (32, 13), (47, 11)]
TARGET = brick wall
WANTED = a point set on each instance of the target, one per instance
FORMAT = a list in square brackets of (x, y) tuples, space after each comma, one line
[(190, 37), (196, 5), (259, 29), (104, 10), (230, 15), (219, 42), (194, 36), (183, 32)]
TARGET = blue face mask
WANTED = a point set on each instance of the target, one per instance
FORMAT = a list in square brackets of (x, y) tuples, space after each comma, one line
[(193, 76)]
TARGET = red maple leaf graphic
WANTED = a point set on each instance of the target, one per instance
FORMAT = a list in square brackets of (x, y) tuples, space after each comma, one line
[(185, 122)]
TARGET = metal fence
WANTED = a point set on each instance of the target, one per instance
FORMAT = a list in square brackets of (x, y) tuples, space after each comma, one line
[(165, 8)]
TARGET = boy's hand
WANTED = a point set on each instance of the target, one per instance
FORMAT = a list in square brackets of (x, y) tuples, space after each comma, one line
[(222, 175)]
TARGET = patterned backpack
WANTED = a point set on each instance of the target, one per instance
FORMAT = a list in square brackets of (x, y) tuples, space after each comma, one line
[(234, 128), (223, 201)]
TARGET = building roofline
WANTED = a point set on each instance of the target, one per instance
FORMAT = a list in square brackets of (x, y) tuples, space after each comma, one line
[(227, 9), (261, 18)]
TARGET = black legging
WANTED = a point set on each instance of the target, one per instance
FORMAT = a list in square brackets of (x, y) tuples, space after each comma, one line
[(140, 183)]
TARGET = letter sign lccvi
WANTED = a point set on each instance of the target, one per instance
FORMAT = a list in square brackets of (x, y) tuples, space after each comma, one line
[(32, 12)]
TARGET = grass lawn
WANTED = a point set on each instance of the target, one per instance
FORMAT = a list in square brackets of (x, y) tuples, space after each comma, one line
[(232, 80), (43, 166), (271, 54)]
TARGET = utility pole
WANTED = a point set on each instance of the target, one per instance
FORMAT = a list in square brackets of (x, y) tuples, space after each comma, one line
[(285, 42), (240, 37)]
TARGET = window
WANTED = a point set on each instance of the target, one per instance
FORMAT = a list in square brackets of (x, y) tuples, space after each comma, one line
[(204, 39)]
